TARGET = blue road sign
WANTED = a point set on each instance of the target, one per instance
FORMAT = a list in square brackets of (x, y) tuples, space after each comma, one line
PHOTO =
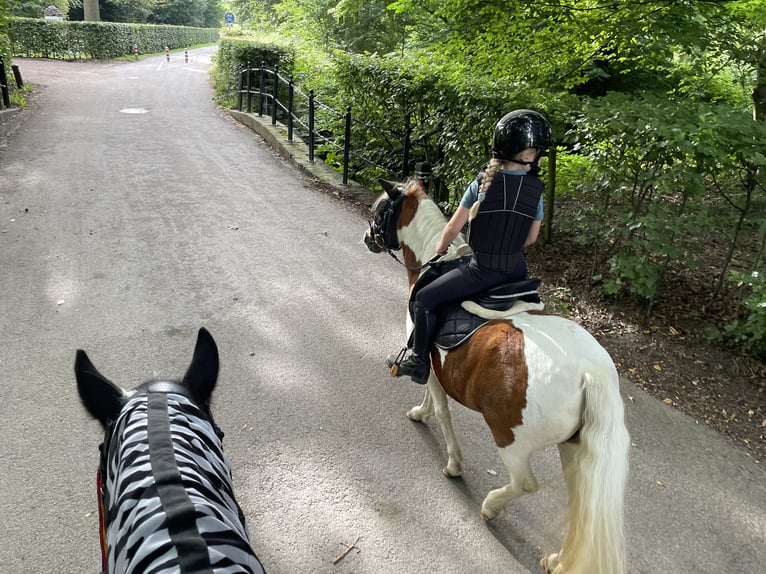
[(228, 18)]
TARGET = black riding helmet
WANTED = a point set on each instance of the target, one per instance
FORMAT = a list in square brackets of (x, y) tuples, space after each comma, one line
[(518, 130)]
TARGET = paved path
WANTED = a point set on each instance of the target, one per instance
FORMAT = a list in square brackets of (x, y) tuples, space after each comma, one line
[(132, 212)]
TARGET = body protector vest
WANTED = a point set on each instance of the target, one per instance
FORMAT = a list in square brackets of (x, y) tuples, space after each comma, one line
[(501, 226)]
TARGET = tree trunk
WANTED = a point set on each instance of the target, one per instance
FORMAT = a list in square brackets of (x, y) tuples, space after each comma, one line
[(550, 195), (759, 93), (90, 11)]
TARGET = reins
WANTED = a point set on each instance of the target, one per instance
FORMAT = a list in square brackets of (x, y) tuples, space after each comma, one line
[(407, 267), (382, 234)]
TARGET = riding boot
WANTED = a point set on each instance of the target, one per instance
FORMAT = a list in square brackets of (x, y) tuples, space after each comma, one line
[(418, 364)]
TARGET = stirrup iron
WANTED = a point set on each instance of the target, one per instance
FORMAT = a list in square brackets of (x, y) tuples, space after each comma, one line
[(394, 368)]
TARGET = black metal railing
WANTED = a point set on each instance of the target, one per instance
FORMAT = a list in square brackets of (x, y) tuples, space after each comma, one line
[(318, 124), (5, 97)]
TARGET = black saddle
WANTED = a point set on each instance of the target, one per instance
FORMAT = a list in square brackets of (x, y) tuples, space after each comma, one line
[(454, 324), (502, 297)]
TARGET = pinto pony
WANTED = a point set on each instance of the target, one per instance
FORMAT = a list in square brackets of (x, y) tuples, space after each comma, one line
[(166, 502), (538, 380)]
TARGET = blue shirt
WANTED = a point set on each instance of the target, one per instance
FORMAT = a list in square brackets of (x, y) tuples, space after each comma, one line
[(471, 194)]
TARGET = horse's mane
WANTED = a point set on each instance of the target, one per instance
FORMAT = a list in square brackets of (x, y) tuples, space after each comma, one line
[(427, 224)]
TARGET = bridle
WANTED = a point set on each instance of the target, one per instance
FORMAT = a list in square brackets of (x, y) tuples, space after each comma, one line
[(385, 236)]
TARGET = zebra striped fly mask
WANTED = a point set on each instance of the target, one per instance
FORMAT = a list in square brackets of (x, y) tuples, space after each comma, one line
[(162, 466)]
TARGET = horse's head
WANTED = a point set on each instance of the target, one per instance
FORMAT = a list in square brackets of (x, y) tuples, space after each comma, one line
[(162, 447), (383, 232), (104, 400)]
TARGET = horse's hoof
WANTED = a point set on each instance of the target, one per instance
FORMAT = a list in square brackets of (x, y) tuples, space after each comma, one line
[(414, 415), (451, 473), (548, 563)]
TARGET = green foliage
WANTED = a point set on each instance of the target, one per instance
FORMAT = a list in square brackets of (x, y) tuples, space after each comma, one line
[(36, 8), (558, 301), (192, 13), (391, 93), (237, 53), (748, 330), (451, 117), (132, 11), (4, 42), (665, 171), (70, 40)]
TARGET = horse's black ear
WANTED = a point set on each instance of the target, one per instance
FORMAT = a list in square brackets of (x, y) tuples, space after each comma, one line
[(203, 371), (390, 187), (100, 397)]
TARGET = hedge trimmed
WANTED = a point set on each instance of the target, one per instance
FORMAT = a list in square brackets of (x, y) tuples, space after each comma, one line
[(236, 53), (61, 39)]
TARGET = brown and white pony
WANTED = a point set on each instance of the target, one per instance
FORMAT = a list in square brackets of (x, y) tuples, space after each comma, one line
[(538, 380)]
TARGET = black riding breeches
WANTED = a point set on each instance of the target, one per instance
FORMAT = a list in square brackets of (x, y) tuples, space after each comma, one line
[(464, 281)]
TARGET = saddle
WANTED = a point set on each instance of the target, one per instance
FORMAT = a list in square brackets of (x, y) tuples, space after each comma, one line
[(460, 320), (457, 321)]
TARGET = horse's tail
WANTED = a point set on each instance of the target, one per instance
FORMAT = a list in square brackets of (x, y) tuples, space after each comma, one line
[(596, 477)]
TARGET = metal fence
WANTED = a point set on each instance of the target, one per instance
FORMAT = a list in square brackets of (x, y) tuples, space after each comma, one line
[(5, 94), (327, 132), (5, 97)]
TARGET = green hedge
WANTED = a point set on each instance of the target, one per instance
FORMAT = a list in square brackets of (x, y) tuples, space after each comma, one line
[(71, 40), (451, 117), (4, 7), (236, 53)]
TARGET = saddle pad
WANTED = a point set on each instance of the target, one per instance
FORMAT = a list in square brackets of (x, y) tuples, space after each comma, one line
[(457, 324)]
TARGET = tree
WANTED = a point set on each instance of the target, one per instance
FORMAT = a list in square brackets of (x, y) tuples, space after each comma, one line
[(4, 13), (35, 8), (751, 14), (181, 12), (91, 11)]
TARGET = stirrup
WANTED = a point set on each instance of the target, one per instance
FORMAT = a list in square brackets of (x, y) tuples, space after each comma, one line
[(394, 367)]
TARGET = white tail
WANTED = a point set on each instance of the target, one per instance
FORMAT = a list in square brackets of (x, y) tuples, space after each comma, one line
[(596, 476)]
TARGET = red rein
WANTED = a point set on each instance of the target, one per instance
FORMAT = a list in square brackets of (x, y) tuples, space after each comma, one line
[(101, 523)]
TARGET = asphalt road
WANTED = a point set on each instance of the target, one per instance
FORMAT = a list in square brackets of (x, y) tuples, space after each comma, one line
[(132, 212)]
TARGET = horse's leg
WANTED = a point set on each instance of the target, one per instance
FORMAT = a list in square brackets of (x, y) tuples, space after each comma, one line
[(521, 481), (422, 412), (435, 402), (567, 452), (596, 468)]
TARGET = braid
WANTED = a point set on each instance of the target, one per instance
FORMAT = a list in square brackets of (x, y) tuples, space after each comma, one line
[(492, 168)]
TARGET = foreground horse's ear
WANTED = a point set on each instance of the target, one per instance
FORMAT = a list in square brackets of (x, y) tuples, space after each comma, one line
[(390, 187), (100, 397), (203, 371)]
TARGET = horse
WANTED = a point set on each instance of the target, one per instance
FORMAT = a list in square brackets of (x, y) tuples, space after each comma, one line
[(538, 380), (166, 501)]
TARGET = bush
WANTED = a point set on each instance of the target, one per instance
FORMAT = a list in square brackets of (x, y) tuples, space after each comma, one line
[(451, 117), (664, 171), (71, 40), (748, 329), (237, 53)]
